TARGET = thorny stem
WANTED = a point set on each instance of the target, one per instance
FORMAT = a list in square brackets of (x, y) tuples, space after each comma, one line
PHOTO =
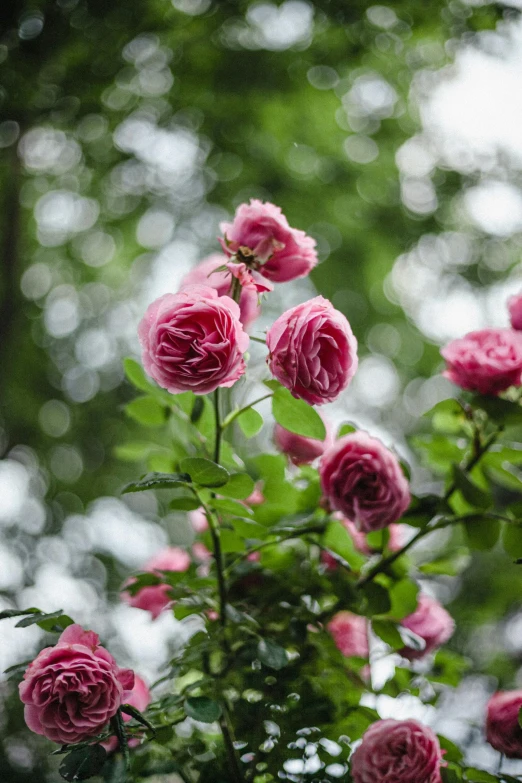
[(384, 563)]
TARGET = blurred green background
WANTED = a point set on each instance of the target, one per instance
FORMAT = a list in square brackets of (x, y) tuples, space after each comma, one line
[(128, 130)]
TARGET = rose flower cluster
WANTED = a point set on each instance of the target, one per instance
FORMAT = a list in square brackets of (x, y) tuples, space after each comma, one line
[(195, 340)]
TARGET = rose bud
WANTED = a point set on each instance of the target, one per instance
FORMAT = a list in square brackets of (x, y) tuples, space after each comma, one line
[(363, 480), (193, 341), (138, 697), (261, 236), (72, 690), (488, 361), (300, 450), (155, 598), (312, 351), (350, 634), (397, 751), (432, 623), (204, 274), (515, 311), (503, 730)]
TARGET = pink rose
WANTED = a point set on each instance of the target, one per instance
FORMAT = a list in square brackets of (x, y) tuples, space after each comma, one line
[(515, 311), (204, 274), (138, 697), (260, 236), (350, 634), (432, 623), (193, 341), (199, 520), (503, 731), (395, 541), (300, 450), (73, 689), (363, 480), (256, 497), (312, 351), (488, 361), (155, 598), (397, 751)]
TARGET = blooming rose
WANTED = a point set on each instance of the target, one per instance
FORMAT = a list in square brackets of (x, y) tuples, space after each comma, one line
[(204, 274), (432, 623), (193, 341), (361, 478), (300, 450), (487, 361), (503, 731), (73, 689), (138, 697), (515, 311), (155, 598), (397, 751), (350, 634), (261, 236), (395, 541), (312, 351)]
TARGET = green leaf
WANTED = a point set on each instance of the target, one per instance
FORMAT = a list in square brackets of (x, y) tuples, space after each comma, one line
[(474, 775), (7, 613), (239, 486), (346, 429), (157, 481), (500, 411), (271, 654), (403, 596), (475, 496), (229, 506), (452, 565), (128, 709), (452, 751), (250, 422), (184, 503), (451, 774), (136, 375), (46, 621), (447, 416), (202, 708), (205, 472), (134, 451), (83, 763), (482, 532), (376, 599), (512, 539), (247, 528), (297, 416), (341, 543), (197, 409), (231, 542), (388, 632), (147, 411)]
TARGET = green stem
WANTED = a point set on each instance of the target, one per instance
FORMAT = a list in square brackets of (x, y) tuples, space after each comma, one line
[(219, 428), (234, 414), (258, 339), (384, 563), (235, 291), (228, 738)]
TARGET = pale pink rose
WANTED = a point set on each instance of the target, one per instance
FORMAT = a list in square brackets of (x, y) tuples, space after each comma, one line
[(397, 751), (350, 634), (363, 480), (261, 236), (155, 598), (193, 341), (301, 450), (488, 361), (257, 497), (395, 541), (515, 311), (312, 351), (204, 274), (198, 520), (432, 623), (138, 697), (73, 689), (503, 731)]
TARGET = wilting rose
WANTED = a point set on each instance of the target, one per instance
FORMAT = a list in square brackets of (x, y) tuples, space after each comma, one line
[(488, 361), (73, 689), (300, 450), (350, 634), (432, 623), (260, 235), (312, 351), (397, 751), (193, 341), (138, 697), (515, 311), (155, 598), (204, 274), (503, 731), (395, 541), (363, 480)]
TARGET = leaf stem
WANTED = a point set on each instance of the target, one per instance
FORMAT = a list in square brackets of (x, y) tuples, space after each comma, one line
[(234, 414)]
